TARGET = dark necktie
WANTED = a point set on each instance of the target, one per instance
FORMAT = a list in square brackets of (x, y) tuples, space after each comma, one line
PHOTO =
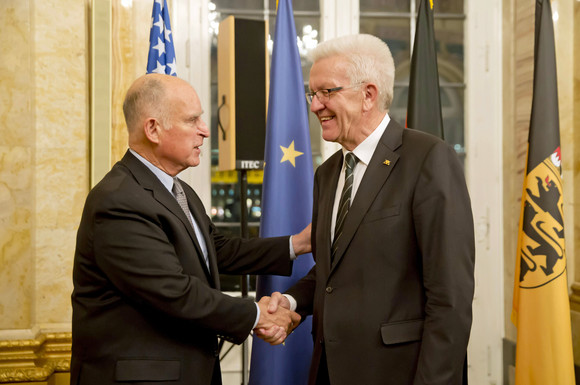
[(350, 161), (182, 200)]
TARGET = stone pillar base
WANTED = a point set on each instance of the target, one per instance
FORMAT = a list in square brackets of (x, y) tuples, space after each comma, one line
[(42, 360)]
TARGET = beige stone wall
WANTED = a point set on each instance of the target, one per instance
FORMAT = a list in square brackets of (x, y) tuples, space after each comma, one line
[(130, 30), (61, 149), (574, 207), (17, 156), (43, 155), (44, 164), (43, 176)]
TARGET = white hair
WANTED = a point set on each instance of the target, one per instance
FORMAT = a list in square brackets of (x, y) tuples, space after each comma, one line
[(369, 58)]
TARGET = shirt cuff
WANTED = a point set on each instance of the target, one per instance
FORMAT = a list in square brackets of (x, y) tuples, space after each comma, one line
[(292, 253), (258, 315), (293, 303)]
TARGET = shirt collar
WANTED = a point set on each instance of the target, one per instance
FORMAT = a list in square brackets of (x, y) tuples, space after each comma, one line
[(365, 150), (165, 179)]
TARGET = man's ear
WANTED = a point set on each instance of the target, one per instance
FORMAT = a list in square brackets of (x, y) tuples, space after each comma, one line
[(151, 129), (371, 96)]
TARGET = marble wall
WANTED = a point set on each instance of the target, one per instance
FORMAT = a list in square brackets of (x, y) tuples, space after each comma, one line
[(61, 149), (574, 208), (44, 146), (43, 168), (130, 31), (17, 156)]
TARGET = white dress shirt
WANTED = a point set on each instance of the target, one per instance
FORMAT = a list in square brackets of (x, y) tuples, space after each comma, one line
[(364, 152)]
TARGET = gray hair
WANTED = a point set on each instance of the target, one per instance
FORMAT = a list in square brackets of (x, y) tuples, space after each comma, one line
[(370, 61), (145, 97)]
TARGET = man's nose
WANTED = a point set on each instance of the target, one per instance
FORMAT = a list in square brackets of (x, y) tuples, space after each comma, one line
[(316, 104), (203, 129)]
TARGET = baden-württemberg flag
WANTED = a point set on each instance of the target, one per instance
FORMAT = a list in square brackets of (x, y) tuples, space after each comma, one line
[(424, 103), (541, 311), (161, 57), (286, 199)]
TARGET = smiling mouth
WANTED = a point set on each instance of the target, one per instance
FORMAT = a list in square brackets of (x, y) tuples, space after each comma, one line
[(326, 118)]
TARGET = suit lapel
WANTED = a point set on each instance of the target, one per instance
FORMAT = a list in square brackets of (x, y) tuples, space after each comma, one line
[(198, 212), (327, 187), (378, 170), (150, 182)]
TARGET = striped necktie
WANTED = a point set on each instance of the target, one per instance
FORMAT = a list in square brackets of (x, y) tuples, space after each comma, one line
[(350, 161), (182, 200)]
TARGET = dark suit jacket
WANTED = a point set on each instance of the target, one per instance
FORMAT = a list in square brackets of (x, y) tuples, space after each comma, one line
[(395, 306), (145, 307)]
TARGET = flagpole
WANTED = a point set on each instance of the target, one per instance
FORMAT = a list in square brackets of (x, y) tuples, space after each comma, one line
[(245, 284)]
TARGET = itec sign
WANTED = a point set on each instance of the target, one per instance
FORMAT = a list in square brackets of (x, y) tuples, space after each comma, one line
[(249, 164)]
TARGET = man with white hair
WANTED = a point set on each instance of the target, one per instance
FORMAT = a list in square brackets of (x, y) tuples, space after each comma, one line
[(392, 234)]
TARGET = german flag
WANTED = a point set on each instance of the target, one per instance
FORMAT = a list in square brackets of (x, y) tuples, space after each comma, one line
[(424, 103), (541, 309)]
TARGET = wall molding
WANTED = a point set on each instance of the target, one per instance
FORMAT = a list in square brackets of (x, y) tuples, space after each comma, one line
[(35, 359)]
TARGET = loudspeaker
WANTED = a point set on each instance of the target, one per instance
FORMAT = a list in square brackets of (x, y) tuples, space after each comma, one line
[(243, 81)]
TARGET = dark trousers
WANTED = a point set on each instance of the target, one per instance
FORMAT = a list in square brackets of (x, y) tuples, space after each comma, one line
[(322, 377)]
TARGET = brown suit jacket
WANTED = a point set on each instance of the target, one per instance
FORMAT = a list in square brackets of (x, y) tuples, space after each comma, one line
[(145, 307), (395, 305)]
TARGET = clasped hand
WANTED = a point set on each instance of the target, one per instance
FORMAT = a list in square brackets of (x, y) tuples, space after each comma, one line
[(276, 321)]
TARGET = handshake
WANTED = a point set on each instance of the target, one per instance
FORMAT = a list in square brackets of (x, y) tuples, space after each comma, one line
[(276, 321)]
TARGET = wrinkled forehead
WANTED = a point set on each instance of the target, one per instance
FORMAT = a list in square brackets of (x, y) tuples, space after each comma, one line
[(329, 72), (184, 97)]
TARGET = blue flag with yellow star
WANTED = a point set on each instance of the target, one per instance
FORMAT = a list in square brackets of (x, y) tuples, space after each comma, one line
[(161, 58), (286, 199)]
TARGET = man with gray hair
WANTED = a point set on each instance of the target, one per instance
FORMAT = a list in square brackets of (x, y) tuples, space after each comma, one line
[(147, 305), (392, 234)]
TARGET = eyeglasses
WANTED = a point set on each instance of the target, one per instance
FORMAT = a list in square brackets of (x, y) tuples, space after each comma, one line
[(324, 94)]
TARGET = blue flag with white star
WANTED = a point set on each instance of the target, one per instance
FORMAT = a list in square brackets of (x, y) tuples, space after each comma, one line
[(161, 57), (286, 199)]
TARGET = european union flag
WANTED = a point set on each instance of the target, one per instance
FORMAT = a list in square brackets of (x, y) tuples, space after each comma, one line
[(286, 199), (161, 58)]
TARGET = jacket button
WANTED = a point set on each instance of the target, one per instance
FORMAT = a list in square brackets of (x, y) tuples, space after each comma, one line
[(329, 289)]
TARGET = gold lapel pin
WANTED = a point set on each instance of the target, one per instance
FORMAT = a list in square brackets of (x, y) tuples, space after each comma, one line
[(387, 162)]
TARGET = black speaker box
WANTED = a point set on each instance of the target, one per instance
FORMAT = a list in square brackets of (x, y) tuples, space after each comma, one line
[(243, 81)]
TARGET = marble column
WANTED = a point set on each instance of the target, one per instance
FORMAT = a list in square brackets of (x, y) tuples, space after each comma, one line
[(45, 150), (573, 231), (43, 179)]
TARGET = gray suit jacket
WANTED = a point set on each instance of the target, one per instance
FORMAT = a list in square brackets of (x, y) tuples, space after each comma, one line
[(145, 306), (395, 305)]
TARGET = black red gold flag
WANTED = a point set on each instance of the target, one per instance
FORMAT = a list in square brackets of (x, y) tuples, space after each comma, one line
[(424, 103), (541, 309)]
